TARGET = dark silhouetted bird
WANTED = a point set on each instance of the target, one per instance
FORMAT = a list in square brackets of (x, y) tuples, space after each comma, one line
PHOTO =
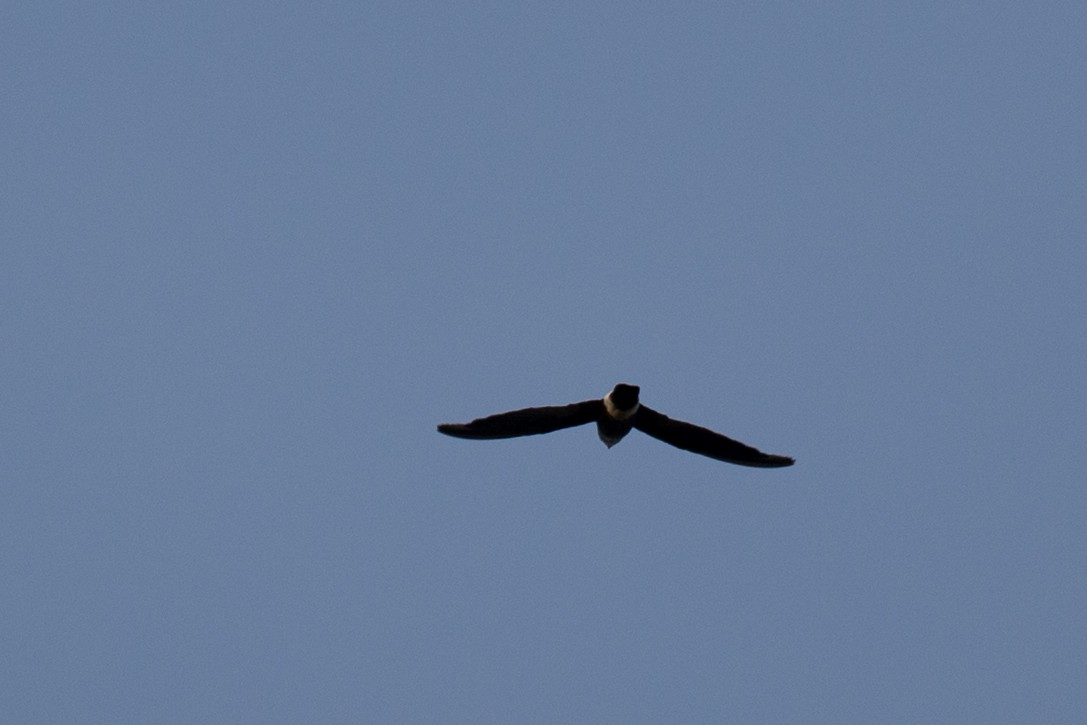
[(614, 416)]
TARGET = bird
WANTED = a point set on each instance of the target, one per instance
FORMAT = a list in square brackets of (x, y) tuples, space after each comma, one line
[(615, 415)]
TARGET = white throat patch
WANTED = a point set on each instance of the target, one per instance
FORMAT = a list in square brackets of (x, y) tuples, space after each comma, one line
[(615, 413)]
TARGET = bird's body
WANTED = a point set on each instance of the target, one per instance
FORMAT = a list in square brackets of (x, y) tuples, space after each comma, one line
[(615, 415)]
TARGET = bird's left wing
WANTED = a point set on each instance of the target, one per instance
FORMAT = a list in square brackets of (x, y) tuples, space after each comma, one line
[(693, 438), (527, 421)]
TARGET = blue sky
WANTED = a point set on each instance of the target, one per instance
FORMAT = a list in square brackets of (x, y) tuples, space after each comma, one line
[(253, 253)]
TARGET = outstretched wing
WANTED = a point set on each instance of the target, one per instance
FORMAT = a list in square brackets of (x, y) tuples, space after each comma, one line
[(527, 421), (692, 438)]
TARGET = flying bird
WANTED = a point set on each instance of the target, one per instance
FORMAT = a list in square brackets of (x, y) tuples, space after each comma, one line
[(615, 415)]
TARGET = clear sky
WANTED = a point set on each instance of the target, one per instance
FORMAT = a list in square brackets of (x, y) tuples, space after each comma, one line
[(251, 254)]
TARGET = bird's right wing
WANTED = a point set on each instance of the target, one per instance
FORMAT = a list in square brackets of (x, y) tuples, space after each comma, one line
[(527, 421)]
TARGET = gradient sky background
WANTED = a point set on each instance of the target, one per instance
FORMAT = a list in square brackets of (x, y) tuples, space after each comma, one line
[(252, 253)]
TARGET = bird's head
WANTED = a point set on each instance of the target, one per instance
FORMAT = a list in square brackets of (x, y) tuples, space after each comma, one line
[(624, 397)]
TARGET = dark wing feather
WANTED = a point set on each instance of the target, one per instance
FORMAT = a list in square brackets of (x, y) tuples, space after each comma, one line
[(692, 438), (527, 421)]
